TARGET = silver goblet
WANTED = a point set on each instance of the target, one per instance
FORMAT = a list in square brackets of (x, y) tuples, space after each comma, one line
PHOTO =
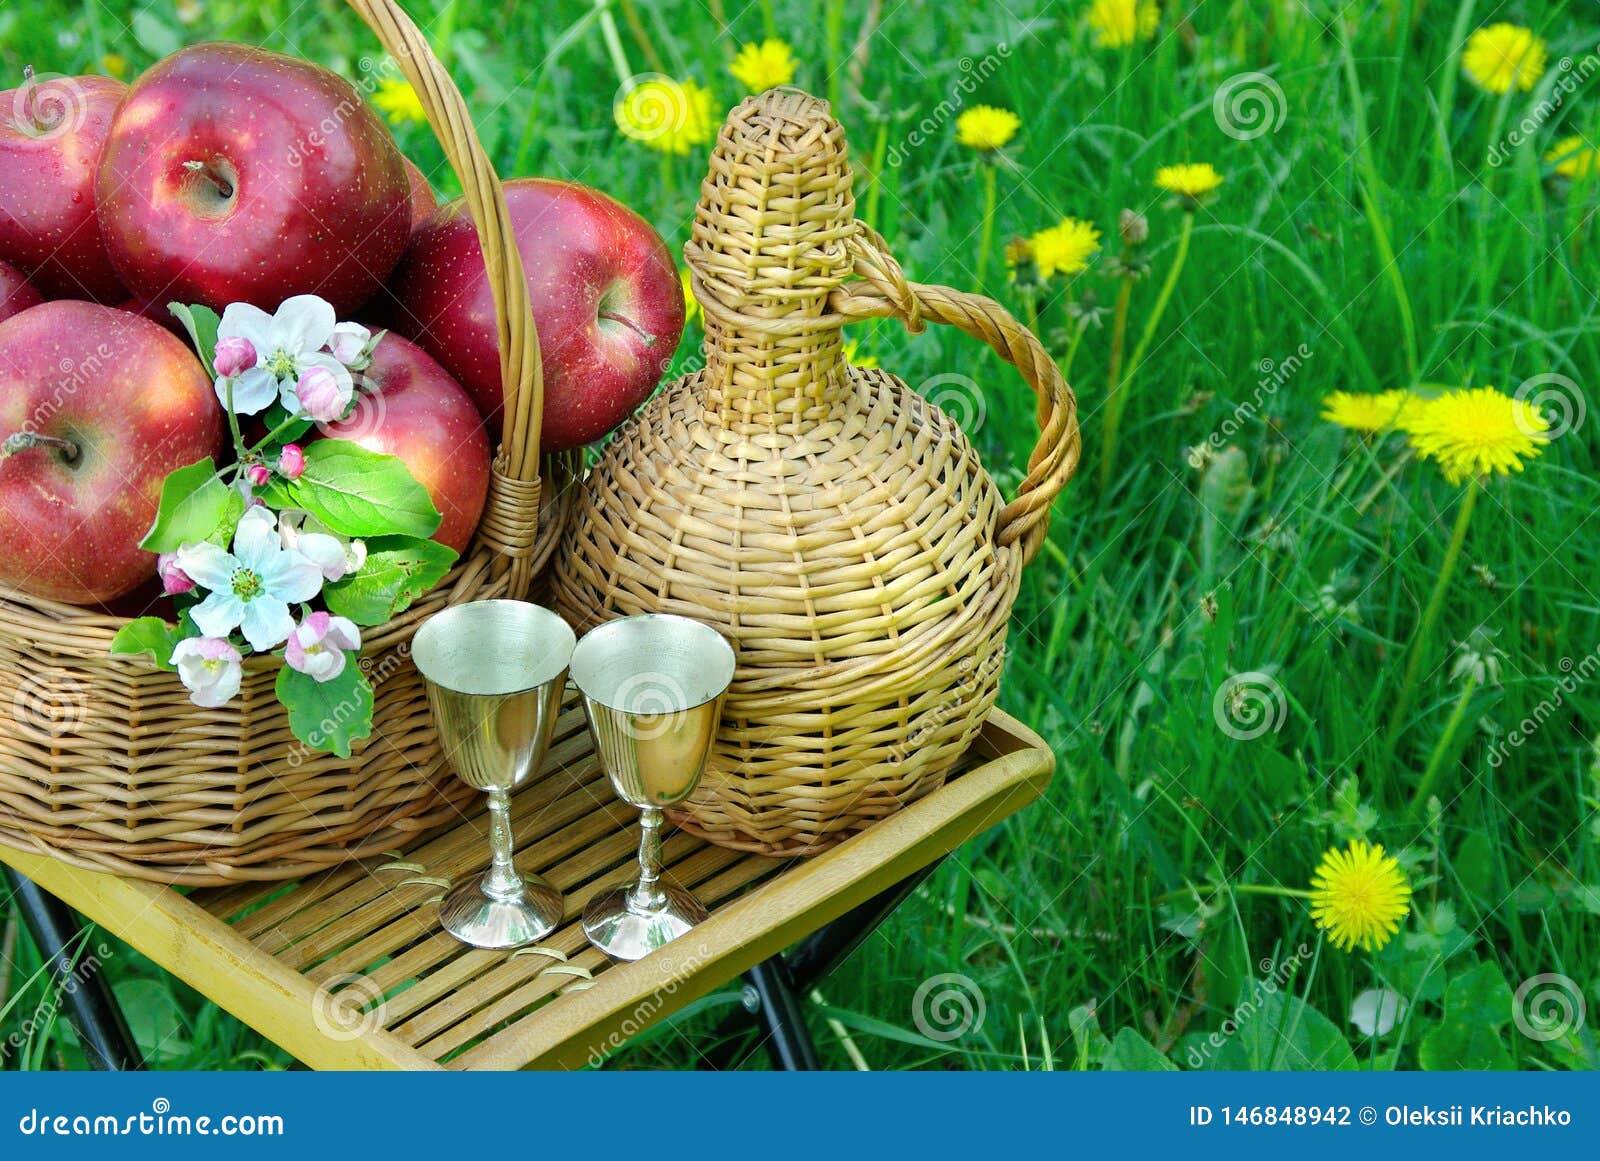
[(653, 687), (495, 672)]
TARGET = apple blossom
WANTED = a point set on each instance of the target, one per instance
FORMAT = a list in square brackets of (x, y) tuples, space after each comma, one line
[(234, 356), (320, 395), (287, 344), (258, 474), (173, 579), (252, 587), (318, 646), (334, 555), (291, 461), (209, 668), (350, 344)]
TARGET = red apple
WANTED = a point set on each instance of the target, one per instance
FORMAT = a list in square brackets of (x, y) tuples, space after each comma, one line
[(96, 407), (51, 135), (606, 298), (232, 174), (17, 294), (416, 412), (423, 200)]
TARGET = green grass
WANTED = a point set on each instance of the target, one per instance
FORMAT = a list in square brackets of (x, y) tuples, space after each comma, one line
[(1364, 244)]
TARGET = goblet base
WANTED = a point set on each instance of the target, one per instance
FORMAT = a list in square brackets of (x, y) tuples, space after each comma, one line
[(473, 917), (625, 933)]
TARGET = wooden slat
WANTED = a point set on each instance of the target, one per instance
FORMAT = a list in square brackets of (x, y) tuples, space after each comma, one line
[(486, 1009)]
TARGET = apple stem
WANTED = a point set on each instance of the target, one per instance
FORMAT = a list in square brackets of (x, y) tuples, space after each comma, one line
[(28, 96), (224, 187), (26, 440), (649, 339)]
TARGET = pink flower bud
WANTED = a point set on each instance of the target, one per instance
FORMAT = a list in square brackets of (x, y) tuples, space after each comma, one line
[(258, 474), (173, 579), (234, 356), (348, 342), (291, 461), (321, 395)]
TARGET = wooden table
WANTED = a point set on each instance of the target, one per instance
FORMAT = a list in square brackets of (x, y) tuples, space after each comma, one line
[(349, 969)]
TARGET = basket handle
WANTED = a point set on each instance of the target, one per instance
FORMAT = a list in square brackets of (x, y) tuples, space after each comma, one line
[(1055, 457), (511, 514)]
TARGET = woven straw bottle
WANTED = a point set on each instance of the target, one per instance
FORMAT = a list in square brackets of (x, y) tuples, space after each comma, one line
[(837, 527)]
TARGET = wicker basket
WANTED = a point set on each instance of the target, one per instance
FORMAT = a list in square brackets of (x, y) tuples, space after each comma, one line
[(833, 522), (105, 762)]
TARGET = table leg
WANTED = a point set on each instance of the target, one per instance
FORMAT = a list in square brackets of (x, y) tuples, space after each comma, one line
[(57, 932), (774, 988)]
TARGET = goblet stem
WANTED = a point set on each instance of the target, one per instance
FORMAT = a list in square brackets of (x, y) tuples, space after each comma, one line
[(646, 896), (502, 883)]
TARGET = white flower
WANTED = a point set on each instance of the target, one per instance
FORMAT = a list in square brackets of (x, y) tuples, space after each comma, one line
[(350, 344), (334, 555), (287, 344), (209, 668), (252, 588), (1376, 1010), (317, 648)]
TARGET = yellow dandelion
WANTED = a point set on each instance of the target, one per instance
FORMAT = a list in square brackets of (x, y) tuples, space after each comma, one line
[(1119, 23), (1191, 182), (1359, 896), (1368, 413), (1572, 157), (691, 305), (1477, 432), (853, 356), (666, 115), (1064, 248), (114, 64), (398, 101), (760, 67), (1502, 56), (986, 128)]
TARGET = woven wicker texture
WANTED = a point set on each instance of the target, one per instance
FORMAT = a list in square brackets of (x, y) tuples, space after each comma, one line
[(106, 763), (834, 524)]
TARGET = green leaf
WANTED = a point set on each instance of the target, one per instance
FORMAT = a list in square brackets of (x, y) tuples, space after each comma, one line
[(201, 322), (399, 569), (195, 506), (1131, 1052), (356, 492), (277, 416), (1276, 1032), (149, 635), (1477, 1003), (328, 715)]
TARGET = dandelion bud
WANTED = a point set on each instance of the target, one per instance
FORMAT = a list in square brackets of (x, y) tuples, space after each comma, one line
[(1135, 228), (234, 356), (291, 461), (173, 579), (258, 474)]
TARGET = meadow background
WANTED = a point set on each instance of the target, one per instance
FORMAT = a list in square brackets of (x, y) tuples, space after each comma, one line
[(1212, 640)]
